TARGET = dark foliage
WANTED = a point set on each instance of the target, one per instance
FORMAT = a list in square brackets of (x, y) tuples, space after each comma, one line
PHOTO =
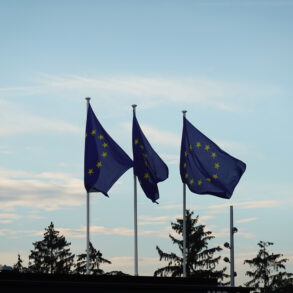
[(52, 254), (96, 260), (18, 267), (201, 262), (268, 274)]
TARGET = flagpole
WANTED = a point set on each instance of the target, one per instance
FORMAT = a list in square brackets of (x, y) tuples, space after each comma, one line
[(88, 219), (184, 221), (232, 283), (135, 216)]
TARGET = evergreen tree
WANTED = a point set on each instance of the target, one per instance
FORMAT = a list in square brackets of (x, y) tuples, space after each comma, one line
[(18, 267), (95, 260), (52, 254), (200, 260), (268, 275)]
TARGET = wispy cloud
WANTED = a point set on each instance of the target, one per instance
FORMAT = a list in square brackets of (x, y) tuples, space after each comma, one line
[(30, 122), (5, 150), (171, 159), (247, 220), (161, 137), (15, 234), (120, 231), (245, 205), (162, 220), (149, 90), (47, 191), (157, 135), (8, 218)]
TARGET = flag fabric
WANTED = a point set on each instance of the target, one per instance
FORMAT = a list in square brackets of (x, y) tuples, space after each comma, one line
[(104, 161), (204, 167), (148, 166)]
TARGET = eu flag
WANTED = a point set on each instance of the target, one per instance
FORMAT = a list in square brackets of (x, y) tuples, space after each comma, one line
[(148, 166), (104, 160), (204, 167)]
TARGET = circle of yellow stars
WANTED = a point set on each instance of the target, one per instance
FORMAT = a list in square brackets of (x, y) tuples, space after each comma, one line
[(104, 154), (146, 175), (207, 148)]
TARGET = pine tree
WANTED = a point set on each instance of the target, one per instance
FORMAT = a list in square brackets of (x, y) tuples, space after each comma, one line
[(95, 260), (52, 254), (200, 260), (18, 267), (268, 275)]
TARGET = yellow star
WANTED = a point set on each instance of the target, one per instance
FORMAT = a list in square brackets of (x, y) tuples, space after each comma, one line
[(213, 155), (215, 176), (141, 146), (217, 165), (99, 164), (209, 179), (146, 175), (145, 155), (190, 147), (186, 175), (184, 165), (198, 145), (185, 153), (104, 154), (207, 147), (101, 136), (93, 132), (146, 163), (191, 181), (136, 141), (105, 144), (199, 182), (139, 182), (85, 134), (90, 172)]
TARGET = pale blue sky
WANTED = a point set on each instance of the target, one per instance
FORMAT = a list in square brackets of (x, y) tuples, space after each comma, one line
[(229, 63)]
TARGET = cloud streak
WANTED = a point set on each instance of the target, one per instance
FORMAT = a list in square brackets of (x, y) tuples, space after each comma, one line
[(246, 205), (247, 220), (8, 218), (118, 231), (151, 90), (30, 122), (47, 191)]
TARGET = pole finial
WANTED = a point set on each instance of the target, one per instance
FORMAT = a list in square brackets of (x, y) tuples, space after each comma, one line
[(134, 107), (184, 112), (87, 102)]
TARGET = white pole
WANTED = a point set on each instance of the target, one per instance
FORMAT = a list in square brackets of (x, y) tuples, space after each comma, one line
[(184, 221), (88, 220), (232, 283), (135, 218)]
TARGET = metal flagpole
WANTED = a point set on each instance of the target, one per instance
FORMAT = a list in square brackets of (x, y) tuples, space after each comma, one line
[(88, 220), (135, 217), (232, 283), (184, 221)]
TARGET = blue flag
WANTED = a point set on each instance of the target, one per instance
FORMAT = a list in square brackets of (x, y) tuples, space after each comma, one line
[(104, 160), (204, 167), (148, 166)]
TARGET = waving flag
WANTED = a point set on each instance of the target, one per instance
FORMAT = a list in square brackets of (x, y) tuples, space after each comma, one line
[(104, 160), (204, 167), (148, 166)]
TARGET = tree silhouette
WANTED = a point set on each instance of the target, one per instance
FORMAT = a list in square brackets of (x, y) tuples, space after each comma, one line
[(96, 260), (200, 260), (267, 274), (18, 267), (52, 254)]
